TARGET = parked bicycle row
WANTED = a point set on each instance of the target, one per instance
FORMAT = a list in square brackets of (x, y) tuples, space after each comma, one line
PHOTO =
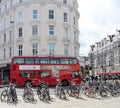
[(87, 88), (94, 88)]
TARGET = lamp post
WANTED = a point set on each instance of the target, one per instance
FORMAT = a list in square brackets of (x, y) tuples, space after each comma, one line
[(91, 57), (12, 22)]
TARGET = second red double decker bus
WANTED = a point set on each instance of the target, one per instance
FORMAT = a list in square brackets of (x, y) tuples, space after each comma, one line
[(50, 69)]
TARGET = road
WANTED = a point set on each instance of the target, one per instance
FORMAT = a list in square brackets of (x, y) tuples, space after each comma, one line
[(82, 102)]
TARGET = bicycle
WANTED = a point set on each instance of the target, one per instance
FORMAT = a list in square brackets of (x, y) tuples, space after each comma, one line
[(43, 92), (60, 91), (12, 95), (4, 94), (28, 95)]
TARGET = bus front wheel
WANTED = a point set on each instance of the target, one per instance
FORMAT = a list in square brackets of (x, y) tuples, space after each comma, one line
[(28, 83), (65, 83)]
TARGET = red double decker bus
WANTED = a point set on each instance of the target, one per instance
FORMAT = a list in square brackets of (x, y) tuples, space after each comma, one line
[(50, 69)]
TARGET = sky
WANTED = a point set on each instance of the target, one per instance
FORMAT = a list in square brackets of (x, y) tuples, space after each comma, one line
[(98, 18)]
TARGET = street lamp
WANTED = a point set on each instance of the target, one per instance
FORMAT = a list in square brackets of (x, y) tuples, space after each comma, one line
[(12, 22), (91, 57)]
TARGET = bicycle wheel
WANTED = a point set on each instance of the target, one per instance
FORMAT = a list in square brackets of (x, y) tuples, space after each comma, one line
[(77, 94), (9, 99), (28, 97), (40, 96), (25, 97), (46, 98), (3, 96)]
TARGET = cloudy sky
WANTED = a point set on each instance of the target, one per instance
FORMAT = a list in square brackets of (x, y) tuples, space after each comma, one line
[(97, 19)]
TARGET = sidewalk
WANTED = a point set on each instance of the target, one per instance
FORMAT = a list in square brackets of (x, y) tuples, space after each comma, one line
[(83, 102)]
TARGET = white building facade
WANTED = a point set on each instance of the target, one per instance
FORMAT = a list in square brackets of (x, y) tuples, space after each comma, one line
[(105, 55), (38, 27)]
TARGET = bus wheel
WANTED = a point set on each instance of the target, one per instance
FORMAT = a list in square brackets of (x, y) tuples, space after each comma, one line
[(65, 83), (28, 83)]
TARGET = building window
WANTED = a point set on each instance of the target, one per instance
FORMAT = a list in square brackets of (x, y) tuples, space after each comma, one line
[(35, 14), (11, 2), (4, 37), (65, 17), (65, 31), (5, 23), (20, 50), (74, 20), (34, 29), (20, 16), (10, 52), (4, 53), (51, 30), (11, 19), (51, 48), (5, 6), (10, 34), (65, 1), (35, 49), (66, 49), (75, 36), (20, 1), (51, 14), (20, 32), (75, 51)]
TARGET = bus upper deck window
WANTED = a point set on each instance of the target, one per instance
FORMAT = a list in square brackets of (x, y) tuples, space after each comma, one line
[(54, 61), (64, 61), (18, 60), (29, 61), (44, 61), (73, 61), (37, 61)]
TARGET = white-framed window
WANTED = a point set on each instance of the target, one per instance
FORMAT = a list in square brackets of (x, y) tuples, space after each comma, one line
[(20, 32), (66, 49), (11, 3), (51, 14), (11, 19), (10, 51), (51, 48), (5, 6), (20, 50), (5, 23), (66, 31), (4, 37), (75, 36), (74, 20), (34, 29), (51, 29), (65, 17), (76, 51), (20, 1), (35, 14), (65, 1), (10, 35), (34, 49), (20, 17), (4, 51)]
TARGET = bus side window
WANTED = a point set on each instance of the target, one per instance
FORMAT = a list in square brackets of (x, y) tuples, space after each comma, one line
[(45, 74), (72, 74)]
